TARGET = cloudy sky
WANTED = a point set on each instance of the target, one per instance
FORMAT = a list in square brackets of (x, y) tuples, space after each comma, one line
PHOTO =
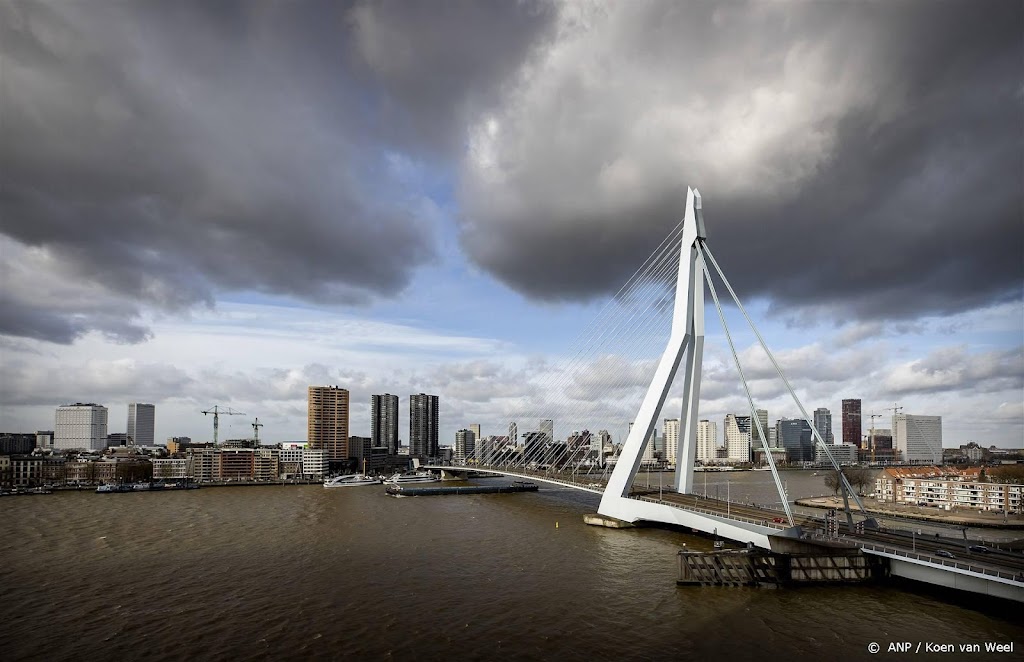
[(223, 203)]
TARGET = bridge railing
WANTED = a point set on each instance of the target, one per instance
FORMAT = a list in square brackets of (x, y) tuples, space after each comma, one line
[(531, 473), (705, 511), (1016, 577)]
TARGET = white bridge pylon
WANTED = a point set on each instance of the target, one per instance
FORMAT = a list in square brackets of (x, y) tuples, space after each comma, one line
[(686, 341)]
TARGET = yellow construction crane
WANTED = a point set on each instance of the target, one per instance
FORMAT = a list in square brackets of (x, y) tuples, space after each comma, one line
[(256, 429), (217, 411)]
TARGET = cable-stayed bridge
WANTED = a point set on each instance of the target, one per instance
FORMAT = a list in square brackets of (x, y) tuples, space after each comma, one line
[(625, 351)]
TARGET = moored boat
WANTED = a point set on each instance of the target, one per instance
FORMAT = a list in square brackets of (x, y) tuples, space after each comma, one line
[(417, 477), (351, 480)]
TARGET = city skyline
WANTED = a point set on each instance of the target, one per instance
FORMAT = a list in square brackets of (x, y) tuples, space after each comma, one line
[(332, 219)]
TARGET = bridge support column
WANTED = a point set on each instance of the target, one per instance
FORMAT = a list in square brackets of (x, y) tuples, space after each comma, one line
[(687, 334)]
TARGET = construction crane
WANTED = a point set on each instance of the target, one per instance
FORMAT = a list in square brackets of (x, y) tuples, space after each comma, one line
[(256, 429), (872, 437), (217, 411), (894, 409)]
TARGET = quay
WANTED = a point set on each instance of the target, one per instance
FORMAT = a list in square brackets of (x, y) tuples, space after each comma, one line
[(518, 486)]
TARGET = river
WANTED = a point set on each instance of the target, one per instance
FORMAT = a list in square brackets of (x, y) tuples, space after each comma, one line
[(300, 572)]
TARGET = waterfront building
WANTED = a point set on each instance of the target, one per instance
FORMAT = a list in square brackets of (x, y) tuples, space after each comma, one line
[(773, 437), (737, 438), (707, 441), (297, 460), (173, 468), (918, 439), (649, 448), (843, 453), (795, 436), (465, 446), (547, 426), (266, 463), (423, 426), (327, 421), (206, 463), (384, 422), (851, 422), (947, 488), (513, 433), (823, 424), (141, 423), (475, 429), (670, 433), (80, 426)]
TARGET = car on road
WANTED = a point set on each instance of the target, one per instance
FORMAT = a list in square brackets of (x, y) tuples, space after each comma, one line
[(981, 549), (945, 553)]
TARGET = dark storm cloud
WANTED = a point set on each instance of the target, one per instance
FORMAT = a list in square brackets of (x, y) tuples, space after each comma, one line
[(853, 157), (168, 151)]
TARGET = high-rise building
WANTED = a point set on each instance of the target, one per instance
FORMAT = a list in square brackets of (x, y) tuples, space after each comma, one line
[(794, 434), (465, 445), (762, 418), (918, 439), (327, 421), (851, 422), (513, 433), (81, 425), (141, 423), (823, 424), (475, 429), (707, 441), (384, 422), (652, 442), (423, 425), (737, 437), (547, 426), (670, 433)]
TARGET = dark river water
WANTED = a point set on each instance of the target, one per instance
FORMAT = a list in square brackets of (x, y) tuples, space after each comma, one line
[(300, 572)]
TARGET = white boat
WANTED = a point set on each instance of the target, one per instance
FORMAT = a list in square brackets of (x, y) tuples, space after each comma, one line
[(351, 480), (418, 477)]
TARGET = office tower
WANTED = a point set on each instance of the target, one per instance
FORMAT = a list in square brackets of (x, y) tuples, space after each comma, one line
[(465, 445), (737, 437), (707, 441), (918, 438), (796, 437), (475, 429), (327, 421), (851, 422), (823, 424), (513, 433), (547, 426), (670, 433), (141, 423), (423, 426), (81, 425), (384, 422), (762, 418)]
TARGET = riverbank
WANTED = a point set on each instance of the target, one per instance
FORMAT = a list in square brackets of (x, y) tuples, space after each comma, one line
[(955, 518)]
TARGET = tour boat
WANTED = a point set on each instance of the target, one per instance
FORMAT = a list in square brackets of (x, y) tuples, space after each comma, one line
[(351, 480), (418, 477)]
